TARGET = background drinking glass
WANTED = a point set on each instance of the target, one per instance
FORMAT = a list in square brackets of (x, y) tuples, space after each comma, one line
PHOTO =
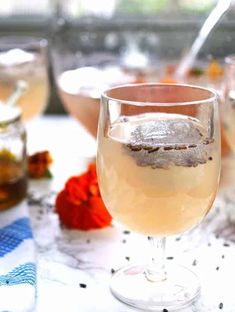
[(25, 58), (158, 168), (228, 123), (229, 100)]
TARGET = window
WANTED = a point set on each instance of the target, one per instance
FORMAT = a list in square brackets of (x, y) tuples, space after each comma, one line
[(25, 8)]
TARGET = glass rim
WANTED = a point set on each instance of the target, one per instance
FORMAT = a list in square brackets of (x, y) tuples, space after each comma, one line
[(210, 99), (230, 59), (22, 41)]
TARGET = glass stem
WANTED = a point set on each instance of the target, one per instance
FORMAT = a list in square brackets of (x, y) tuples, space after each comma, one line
[(156, 271)]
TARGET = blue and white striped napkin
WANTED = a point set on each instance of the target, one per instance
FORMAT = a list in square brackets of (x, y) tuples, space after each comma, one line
[(17, 261)]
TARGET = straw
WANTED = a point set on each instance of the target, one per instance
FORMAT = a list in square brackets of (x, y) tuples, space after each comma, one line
[(21, 87)]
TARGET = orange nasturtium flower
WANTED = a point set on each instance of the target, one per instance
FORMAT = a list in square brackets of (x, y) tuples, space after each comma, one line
[(79, 205), (214, 70), (38, 165)]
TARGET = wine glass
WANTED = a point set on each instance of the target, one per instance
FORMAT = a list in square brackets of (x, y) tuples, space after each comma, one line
[(158, 165), (25, 59)]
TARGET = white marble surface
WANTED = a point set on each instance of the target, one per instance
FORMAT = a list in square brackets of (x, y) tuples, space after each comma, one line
[(74, 267)]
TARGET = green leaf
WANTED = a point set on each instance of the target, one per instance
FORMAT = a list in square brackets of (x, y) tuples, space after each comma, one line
[(196, 71), (48, 174)]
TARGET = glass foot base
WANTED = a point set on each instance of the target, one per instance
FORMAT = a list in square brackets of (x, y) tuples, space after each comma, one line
[(180, 289)]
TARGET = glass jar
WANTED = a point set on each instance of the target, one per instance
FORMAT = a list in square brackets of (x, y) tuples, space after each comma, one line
[(13, 157)]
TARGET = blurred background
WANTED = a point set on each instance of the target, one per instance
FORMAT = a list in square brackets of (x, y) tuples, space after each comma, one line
[(127, 40)]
